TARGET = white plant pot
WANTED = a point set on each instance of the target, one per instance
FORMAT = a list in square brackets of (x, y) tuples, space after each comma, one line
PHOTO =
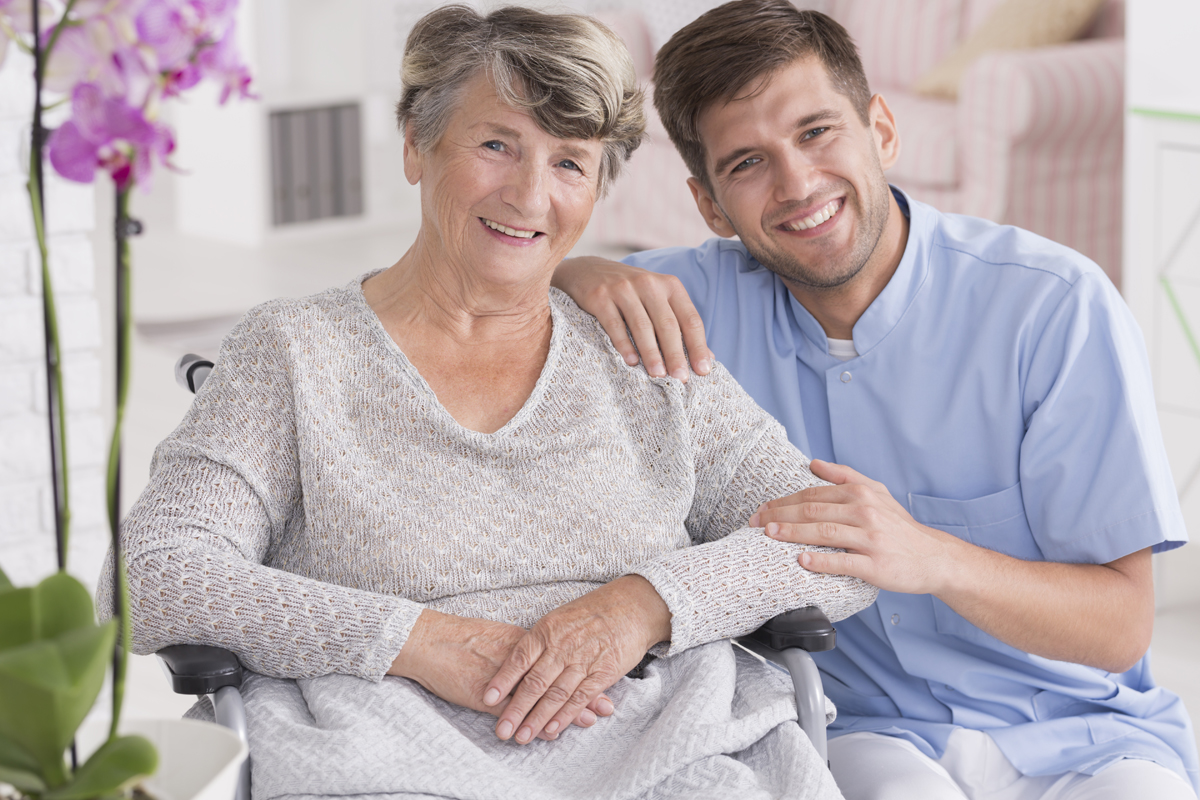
[(196, 760)]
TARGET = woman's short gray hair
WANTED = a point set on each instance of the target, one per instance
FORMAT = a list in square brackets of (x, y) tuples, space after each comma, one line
[(569, 72)]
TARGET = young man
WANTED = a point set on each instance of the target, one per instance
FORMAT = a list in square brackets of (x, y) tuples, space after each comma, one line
[(980, 397)]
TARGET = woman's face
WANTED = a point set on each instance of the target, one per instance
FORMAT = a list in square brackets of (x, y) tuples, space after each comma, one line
[(501, 199)]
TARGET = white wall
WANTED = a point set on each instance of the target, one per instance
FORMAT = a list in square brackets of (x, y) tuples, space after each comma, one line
[(1162, 240), (26, 516)]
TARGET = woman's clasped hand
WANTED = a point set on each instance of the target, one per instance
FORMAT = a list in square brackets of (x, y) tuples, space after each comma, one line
[(538, 681)]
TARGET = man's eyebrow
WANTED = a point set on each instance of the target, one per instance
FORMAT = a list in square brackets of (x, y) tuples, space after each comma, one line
[(732, 158)]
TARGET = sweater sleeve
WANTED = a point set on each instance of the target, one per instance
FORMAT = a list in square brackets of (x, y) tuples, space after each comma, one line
[(734, 578), (225, 488)]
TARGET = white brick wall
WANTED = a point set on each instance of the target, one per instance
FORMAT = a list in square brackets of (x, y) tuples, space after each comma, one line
[(26, 507)]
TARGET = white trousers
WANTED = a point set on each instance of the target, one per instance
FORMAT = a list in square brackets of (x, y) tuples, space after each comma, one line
[(870, 766)]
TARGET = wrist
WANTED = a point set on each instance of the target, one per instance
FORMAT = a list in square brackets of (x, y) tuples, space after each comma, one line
[(410, 662), (956, 569), (653, 613)]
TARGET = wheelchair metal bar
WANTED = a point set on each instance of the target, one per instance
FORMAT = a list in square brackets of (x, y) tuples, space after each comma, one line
[(810, 705), (806, 682), (231, 713)]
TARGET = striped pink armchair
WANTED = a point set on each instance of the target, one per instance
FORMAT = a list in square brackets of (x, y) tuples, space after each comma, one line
[(1034, 140)]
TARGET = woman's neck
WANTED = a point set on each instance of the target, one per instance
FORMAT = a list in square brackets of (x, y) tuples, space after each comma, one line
[(480, 347), (426, 290)]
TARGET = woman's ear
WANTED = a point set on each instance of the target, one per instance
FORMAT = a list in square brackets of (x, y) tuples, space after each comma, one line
[(413, 159), (883, 129), (714, 217)]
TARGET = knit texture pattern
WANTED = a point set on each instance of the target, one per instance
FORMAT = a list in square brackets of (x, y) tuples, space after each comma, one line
[(317, 497)]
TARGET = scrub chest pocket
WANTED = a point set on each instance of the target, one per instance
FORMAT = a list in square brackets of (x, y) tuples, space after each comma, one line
[(995, 521)]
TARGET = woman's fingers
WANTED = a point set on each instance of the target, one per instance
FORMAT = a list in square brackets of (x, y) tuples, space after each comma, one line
[(581, 696), (538, 681), (560, 703), (520, 660)]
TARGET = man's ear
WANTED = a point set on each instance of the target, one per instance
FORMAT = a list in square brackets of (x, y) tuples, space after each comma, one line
[(714, 217), (413, 160), (883, 129)]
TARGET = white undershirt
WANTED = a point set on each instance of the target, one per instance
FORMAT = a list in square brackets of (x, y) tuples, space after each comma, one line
[(842, 349)]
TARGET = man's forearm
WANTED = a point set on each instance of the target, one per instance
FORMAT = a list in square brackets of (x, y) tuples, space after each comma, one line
[(1101, 615)]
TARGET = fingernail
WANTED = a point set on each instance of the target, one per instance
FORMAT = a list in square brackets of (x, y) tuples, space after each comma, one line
[(680, 375), (606, 706), (552, 727), (703, 366), (753, 524), (504, 730), (587, 717), (525, 734), (658, 371), (631, 359), (772, 529), (492, 697)]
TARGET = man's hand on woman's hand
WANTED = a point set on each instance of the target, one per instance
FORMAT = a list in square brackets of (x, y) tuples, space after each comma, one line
[(456, 658), (655, 307), (573, 654)]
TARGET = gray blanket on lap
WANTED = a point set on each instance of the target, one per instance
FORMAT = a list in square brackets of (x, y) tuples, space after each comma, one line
[(711, 722)]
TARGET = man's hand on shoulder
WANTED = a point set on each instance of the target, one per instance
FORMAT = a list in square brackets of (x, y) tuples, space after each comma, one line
[(655, 308)]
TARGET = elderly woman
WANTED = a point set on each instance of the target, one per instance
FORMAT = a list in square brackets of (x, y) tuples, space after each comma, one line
[(440, 517)]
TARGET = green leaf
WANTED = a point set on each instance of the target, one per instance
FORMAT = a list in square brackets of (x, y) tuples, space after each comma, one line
[(119, 762), (22, 780), (19, 768), (47, 688), (56, 605)]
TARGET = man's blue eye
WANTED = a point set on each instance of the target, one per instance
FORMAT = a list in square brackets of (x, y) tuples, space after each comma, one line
[(749, 162), (814, 132)]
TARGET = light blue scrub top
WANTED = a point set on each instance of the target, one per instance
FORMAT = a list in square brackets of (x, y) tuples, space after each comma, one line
[(1002, 393)]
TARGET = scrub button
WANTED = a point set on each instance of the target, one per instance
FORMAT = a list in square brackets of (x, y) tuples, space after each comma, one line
[(846, 377), (895, 619)]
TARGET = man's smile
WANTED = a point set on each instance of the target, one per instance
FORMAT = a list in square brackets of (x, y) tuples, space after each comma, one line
[(815, 219)]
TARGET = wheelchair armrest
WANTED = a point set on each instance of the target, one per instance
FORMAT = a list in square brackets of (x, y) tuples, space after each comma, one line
[(806, 628), (200, 668)]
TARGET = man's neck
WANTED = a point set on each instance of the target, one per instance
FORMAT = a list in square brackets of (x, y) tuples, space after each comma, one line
[(839, 308)]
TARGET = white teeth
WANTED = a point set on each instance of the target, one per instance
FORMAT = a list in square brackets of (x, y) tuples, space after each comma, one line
[(816, 219), (496, 226)]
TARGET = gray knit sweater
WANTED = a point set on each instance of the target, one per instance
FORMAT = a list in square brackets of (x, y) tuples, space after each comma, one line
[(317, 497)]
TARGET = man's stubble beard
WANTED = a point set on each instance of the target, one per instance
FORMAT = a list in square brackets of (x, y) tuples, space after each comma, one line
[(829, 275)]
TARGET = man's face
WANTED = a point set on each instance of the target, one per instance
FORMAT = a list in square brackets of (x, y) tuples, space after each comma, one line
[(797, 175)]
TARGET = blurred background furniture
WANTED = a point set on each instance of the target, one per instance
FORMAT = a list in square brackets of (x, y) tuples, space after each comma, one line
[(1035, 139)]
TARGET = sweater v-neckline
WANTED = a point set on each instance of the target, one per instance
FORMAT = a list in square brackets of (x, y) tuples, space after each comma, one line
[(410, 370)]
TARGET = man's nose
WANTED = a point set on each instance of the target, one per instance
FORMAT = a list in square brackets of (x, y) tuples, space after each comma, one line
[(795, 177), (527, 191)]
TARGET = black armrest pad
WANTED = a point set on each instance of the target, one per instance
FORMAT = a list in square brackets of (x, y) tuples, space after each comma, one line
[(200, 668), (806, 628)]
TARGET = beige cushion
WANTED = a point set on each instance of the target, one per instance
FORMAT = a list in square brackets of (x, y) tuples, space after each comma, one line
[(1013, 25)]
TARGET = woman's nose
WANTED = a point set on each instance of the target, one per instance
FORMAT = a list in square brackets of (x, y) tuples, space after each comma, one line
[(527, 191)]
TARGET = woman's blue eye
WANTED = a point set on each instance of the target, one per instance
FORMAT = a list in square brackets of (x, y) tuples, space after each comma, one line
[(494, 145), (569, 164)]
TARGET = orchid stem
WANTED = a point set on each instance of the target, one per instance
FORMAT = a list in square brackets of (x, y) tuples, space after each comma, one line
[(55, 408), (124, 228)]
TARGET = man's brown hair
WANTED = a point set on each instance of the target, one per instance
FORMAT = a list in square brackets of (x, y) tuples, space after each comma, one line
[(721, 54)]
